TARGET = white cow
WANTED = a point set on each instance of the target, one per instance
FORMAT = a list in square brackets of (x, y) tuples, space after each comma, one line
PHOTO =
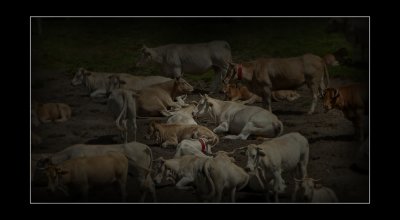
[(288, 152), (199, 147), (315, 193), (223, 175), (139, 156), (237, 118), (183, 116), (176, 59), (122, 103)]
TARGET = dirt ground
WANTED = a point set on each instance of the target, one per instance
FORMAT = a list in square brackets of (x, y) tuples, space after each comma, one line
[(332, 147)]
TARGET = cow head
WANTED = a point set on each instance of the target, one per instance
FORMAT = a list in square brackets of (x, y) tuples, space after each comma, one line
[(230, 90), (231, 73), (79, 76), (160, 169), (253, 156), (181, 86), (54, 175), (330, 60), (146, 55), (330, 98), (307, 185), (153, 131), (205, 106)]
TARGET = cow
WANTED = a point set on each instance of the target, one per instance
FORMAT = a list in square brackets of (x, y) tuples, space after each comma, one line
[(265, 75), (240, 119), (172, 134), (315, 193), (156, 99), (96, 82), (122, 103), (223, 175), (198, 147), (85, 172), (183, 116), (131, 82), (289, 152), (50, 112), (353, 101), (140, 159), (234, 92), (355, 30), (176, 59), (182, 170)]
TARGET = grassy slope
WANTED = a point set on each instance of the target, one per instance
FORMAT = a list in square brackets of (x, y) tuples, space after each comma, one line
[(112, 45)]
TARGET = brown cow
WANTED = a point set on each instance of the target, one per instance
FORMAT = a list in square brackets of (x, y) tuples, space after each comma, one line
[(352, 100), (265, 75)]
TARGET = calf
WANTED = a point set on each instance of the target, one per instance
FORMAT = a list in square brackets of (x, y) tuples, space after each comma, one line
[(50, 112), (316, 193)]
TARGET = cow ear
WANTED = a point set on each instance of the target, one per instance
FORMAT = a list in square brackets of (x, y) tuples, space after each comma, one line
[(260, 152)]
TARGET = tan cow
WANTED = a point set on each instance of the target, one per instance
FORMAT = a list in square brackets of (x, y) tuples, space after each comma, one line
[(265, 75), (223, 175), (83, 173), (50, 112), (139, 156), (352, 100), (156, 99), (172, 134)]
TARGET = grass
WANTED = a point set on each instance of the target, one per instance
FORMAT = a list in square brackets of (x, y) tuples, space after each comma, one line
[(112, 45)]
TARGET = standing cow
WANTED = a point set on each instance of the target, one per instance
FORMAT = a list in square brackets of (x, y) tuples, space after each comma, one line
[(176, 59), (265, 75)]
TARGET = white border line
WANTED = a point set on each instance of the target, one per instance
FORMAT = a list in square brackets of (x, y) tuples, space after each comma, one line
[(369, 106)]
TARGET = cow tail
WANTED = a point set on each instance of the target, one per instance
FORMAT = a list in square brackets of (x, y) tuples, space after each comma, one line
[(123, 112), (206, 170)]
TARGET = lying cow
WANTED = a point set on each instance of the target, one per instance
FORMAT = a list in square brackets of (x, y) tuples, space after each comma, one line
[(156, 99), (172, 134), (176, 59), (199, 147), (267, 74), (122, 103), (96, 82), (50, 112), (182, 170), (139, 156), (86, 172), (183, 116), (223, 176), (285, 153), (237, 118), (316, 193), (234, 92), (353, 101)]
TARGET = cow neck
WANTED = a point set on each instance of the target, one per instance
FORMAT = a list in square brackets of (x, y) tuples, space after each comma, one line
[(243, 73)]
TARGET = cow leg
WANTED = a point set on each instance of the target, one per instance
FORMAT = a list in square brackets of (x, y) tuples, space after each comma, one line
[(183, 182), (216, 81), (296, 188), (278, 184), (223, 127), (173, 142), (233, 194), (313, 86), (267, 98), (151, 187)]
